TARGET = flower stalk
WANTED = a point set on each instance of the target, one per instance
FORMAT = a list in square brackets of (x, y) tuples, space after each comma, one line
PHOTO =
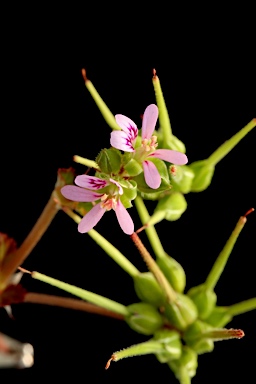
[(17, 258)]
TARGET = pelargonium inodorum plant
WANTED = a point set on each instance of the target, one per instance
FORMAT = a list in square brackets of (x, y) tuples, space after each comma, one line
[(140, 163)]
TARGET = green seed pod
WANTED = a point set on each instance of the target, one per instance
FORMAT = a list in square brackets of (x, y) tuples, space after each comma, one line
[(173, 271), (173, 206), (204, 299), (204, 169), (187, 362), (172, 345), (182, 312), (219, 317), (181, 177), (148, 290), (193, 337), (109, 161), (105, 111), (166, 138), (203, 175), (144, 318)]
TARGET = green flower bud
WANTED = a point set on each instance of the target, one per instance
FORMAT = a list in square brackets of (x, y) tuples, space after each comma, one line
[(195, 339), (185, 366), (148, 290), (205, 300), (109, 161), (172, 345), (182, 312), (149, 193), (181, 178), (144, 318), (219, 317), (173, 271), (203, 175), (133, 168), (172, 206)]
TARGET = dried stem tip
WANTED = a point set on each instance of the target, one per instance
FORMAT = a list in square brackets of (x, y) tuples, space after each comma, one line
[(84, 74)]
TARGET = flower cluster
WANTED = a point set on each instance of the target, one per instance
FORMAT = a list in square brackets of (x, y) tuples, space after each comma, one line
[(105, 192), (85, 191)]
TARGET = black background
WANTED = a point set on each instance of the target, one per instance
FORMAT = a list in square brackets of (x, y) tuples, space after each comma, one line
[(208, 80)]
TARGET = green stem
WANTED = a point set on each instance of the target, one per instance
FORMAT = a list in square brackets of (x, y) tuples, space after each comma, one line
[(12, 263), (154, 268), (150, 231), (99, 300), (88, 163), (70, 303), (184, 377), (242, 307), (113, 252), (226, 147), (222, 259)]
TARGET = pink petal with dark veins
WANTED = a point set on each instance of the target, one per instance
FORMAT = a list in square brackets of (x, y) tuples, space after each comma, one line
[(74, 193)]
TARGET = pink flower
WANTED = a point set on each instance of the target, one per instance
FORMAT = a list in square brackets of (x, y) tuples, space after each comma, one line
[(85, 192), (126, 138)]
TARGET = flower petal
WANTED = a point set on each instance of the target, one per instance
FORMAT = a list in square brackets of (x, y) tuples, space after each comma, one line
[(125, 139), (174, 157), (149, 121), (126, 124), (120, 189), (124, 219), (74, 193), (90, 182), (151, 174), (91, 218)]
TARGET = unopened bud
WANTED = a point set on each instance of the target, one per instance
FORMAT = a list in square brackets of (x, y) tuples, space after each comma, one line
[(109, 160), (194, 337), (204, 299), (133, 168), (181, 177), (172, 206), (172, 345), (187, 362), (148, 290), (219, 317), (173, 271), (144, 318), (182, 312), (203, 175)]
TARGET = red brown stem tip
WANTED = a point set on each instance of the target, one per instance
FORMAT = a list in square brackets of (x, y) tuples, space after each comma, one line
[(84, 74)]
